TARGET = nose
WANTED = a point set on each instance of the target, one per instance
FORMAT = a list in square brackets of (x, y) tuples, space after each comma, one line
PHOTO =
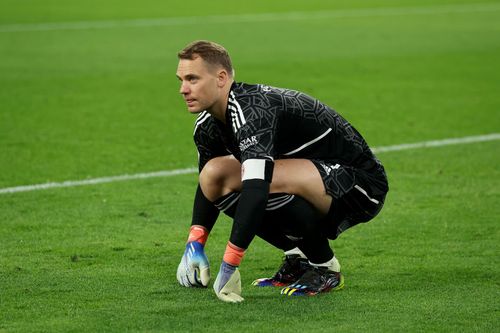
[(184, 88)]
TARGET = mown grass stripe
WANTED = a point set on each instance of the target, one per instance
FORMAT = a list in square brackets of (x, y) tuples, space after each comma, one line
[(170, 173), (261, 17)]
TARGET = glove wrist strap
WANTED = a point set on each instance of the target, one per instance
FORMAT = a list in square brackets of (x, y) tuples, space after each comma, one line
[(198, 233), (233, 254)]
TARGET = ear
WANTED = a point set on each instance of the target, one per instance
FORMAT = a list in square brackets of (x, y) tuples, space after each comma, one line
[(222, 78)]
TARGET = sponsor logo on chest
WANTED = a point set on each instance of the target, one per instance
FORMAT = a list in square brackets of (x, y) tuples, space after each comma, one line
[(248, 142)]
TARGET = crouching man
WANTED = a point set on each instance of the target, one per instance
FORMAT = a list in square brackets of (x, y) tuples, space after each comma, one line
[(283, 165)]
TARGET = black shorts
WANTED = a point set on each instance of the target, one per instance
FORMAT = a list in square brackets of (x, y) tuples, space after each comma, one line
[(358, 195)]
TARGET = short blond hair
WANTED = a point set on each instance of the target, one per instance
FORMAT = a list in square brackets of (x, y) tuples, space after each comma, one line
[(211, 52)]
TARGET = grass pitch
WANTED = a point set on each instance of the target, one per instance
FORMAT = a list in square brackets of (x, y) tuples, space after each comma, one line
[(94, 101)]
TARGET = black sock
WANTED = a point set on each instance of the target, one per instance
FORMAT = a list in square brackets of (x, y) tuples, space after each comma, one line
[(288, 215), (303, 222), (204, 212), (227, 203), (271, 229)]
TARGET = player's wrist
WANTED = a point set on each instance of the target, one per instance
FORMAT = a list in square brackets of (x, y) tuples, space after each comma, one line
[(233, 255), (228, 267), (198, 233)]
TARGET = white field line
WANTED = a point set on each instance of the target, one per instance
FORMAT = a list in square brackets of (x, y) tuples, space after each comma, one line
[(245, 18), (73, 183), (170, 173), (439, 143)]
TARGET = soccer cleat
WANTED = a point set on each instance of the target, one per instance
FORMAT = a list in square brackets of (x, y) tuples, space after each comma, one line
[(292, 268), (316, 280)]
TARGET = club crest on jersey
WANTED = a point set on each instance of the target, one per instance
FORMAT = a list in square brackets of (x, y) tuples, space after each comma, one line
[(248, 142), (265, 88)]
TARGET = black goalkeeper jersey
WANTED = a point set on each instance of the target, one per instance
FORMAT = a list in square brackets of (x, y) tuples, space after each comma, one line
[(265, 122)]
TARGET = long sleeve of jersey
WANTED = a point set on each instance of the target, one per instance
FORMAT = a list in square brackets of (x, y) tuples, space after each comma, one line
[(250, 212), (204, 211), (254, 135), (253, 200)]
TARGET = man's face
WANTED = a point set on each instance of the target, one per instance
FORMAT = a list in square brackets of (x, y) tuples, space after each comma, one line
[(198, 84)]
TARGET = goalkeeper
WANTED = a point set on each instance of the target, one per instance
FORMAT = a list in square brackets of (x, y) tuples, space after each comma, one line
[(283, 165)]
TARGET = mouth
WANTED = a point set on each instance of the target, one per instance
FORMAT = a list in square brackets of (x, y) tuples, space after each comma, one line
[(190, 101)]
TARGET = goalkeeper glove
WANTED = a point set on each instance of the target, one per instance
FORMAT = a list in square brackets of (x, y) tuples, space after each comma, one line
[(194, 269), (227, 285)]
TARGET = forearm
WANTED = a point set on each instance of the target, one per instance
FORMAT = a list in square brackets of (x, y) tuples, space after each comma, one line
[(250, 212), (204, 212), (249, 215)]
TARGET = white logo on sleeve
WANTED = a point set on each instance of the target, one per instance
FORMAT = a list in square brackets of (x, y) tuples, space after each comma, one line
[(248, 142), (329, 169)]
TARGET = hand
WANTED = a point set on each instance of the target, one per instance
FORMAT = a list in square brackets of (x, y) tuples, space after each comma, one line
[(194, 269), (227, 285)]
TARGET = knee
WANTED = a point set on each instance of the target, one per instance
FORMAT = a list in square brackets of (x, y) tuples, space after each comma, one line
[(219, 176), (211, 173)]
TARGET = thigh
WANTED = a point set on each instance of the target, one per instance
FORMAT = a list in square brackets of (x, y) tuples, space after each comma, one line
[(301, 177), (222, 175)]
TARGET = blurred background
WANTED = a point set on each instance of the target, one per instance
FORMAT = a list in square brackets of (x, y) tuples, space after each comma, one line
[(88, 89)]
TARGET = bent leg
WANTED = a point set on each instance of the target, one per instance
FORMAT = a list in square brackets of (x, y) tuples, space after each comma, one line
[(301, 177), (296, 224), (222, 175)]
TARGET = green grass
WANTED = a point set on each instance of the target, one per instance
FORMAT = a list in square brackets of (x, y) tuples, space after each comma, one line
[(79, 104)]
